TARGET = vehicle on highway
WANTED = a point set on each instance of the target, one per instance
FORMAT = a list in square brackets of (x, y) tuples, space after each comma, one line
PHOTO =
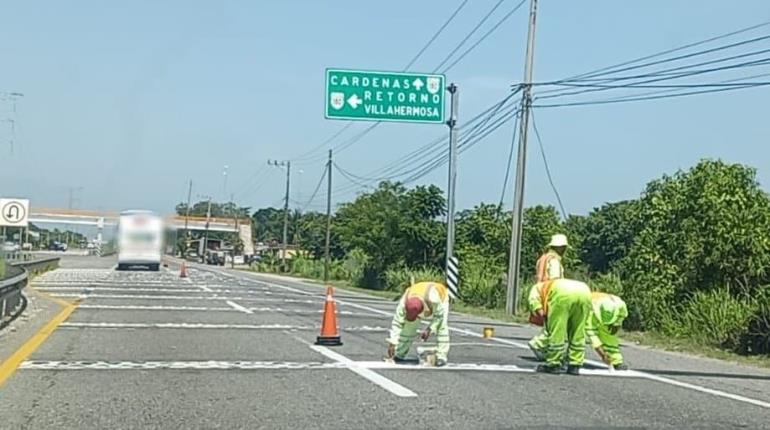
[(11, 247), (57, 246), (140, 240)]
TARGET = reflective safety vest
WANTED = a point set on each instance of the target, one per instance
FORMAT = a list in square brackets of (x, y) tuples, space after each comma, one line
[(549, 267), (429, 292)]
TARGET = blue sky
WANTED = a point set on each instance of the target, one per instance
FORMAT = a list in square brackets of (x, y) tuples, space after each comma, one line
[(130, 100)]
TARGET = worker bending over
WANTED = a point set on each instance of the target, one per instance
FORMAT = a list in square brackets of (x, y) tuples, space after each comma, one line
[(548, 267), (563, 305), (420, 301), (607, 314)]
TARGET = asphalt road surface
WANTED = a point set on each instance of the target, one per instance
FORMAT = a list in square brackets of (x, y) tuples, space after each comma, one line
[(226, 349)]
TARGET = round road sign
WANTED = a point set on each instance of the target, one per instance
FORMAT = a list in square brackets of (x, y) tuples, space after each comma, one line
[(13, 212)]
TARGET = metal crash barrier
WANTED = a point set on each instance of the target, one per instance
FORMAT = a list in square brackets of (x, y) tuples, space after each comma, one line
[(12, 301)]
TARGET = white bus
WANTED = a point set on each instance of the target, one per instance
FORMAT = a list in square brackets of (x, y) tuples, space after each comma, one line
[(140, 239)]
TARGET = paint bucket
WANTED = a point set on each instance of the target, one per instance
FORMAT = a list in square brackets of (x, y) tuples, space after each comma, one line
[(489, 332), (427, 356)]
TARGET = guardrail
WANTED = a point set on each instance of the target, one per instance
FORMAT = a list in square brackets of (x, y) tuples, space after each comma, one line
[(12, 301)]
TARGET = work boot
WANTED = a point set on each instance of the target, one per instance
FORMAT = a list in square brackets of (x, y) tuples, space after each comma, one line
[(546, 368), (399, 360), (620, 366), (539, 356), (441, 362), (573, 370)]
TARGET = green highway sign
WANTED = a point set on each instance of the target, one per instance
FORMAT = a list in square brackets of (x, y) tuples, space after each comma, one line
[(384, 96)]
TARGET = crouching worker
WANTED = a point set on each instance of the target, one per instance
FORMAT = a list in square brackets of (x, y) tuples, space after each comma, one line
[(607, 314), (564, 306), (420, 301)]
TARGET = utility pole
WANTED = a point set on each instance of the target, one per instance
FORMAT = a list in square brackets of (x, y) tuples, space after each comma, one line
[(514, 262), (206, 236), (186, 218), (71, 200), (327, 258), (285, 208), (235, 237), (450, 218)]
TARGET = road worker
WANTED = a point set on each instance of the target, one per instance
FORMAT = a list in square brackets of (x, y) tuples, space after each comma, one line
[(564, 306), (549, 264), (548, 267), (421, 301), (607, 314)]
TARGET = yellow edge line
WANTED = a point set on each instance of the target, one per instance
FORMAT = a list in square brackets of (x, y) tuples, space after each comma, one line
[(9, 366), (50, 297)]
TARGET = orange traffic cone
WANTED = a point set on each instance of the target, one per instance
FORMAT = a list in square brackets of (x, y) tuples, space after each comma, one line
[(183, 270), (330, 335)]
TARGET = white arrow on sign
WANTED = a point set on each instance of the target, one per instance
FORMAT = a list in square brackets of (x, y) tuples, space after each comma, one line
[(417, 83), (354, 101), (14, 212)]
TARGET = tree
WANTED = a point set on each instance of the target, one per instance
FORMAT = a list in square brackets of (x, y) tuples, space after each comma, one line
[(702, 229), (394, 226), (607, 234)]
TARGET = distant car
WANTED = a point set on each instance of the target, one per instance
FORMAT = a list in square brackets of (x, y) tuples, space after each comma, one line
[(57, 246), (90, 246), (10, 247)]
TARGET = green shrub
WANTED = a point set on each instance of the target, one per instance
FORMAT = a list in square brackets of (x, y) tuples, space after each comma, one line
[(756, 338), (482, 283), (607, 283), (399, 278), (713, 318)]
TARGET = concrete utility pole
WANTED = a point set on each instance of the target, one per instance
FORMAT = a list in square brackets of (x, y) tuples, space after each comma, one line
[(514, 263), (186, 218), (450, 218), (206, 235), (285, 208), (327, 257), (72, 199)]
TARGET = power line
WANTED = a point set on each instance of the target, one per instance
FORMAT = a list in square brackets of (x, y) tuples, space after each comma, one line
[(547, 169), (315, 192), (645, 98), (487, 34), (470, 34), (510, 160), (433, 151), (667, 51), (435, 35)]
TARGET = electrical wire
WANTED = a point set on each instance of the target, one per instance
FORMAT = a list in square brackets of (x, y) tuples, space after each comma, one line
[(599, 71), (645, 98), (510, 159), (469, 35), (315, 192), (436, 34), (547, 169), (487, 34)]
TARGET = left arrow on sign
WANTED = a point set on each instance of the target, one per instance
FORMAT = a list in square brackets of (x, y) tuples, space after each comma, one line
[(354, 101)]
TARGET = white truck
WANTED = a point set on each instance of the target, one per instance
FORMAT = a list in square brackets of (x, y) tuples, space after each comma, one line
[(140, 240)]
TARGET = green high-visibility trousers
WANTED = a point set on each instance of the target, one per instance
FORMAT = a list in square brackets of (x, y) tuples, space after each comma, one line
[(569, 303)]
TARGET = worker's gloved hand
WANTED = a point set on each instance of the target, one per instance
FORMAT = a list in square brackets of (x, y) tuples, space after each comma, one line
[(391, 350), (425, 334), (603, 355)]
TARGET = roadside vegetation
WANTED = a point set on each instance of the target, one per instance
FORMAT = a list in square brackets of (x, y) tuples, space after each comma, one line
[(689, 255)]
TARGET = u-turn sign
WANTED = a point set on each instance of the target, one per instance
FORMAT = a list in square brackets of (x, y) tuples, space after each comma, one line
[(14, 212)]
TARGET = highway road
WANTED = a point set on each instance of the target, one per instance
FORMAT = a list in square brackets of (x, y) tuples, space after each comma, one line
[(227, 349)]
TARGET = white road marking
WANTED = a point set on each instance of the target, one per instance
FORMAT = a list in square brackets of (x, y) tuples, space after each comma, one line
[(126, 325), (701, 389), (165, 297), (643, 375), (205, 288), (373, 377), (165, 365), (154, 308), (240, 308)]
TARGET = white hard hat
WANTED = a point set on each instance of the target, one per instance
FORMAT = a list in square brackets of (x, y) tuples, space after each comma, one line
[(558, 240)]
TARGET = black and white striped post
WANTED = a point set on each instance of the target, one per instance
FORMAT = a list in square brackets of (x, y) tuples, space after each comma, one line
[(453, 277)]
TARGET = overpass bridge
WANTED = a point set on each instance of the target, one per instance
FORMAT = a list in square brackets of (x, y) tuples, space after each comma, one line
[(102, 219)]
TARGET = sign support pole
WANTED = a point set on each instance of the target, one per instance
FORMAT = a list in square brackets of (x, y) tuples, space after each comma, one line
[(450, 219)]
